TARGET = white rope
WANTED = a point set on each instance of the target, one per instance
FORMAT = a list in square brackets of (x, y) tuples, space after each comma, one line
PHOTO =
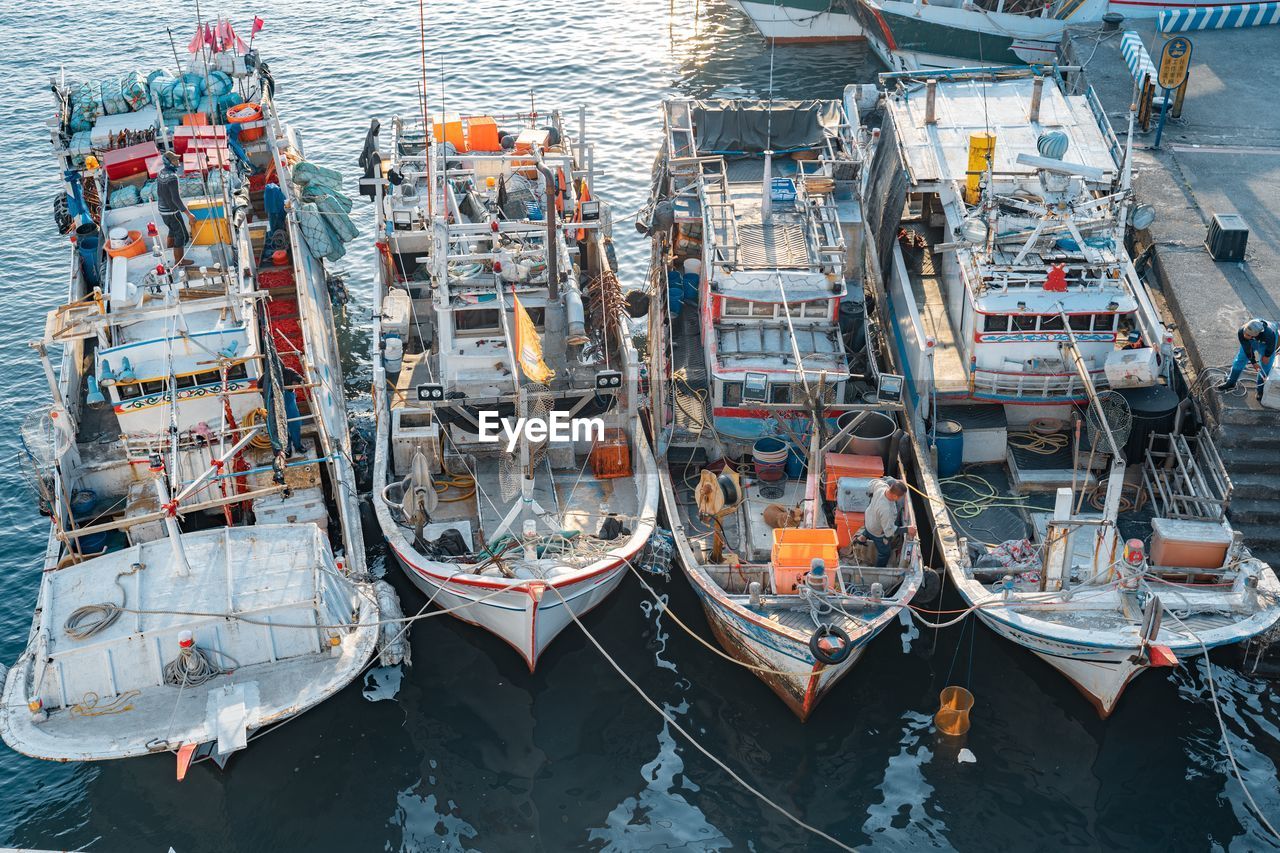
[(675, 725)]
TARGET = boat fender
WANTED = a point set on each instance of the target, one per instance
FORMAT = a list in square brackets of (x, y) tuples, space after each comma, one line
[(830, 657), (393, 634), (930, 586)]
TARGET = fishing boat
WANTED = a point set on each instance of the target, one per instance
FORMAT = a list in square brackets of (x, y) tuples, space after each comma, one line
[(510, 479), (1081, 509), (204, 579), (914, 35), (801, 21), (770, 415)]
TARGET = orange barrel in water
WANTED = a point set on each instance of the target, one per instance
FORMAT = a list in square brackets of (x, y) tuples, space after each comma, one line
[(244, 113), (953, 715)]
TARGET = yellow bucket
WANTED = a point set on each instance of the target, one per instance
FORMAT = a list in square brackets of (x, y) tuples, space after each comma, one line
[(953, 714), (211, 226)]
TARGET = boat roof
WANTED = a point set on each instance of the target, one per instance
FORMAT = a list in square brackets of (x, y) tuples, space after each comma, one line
[(999, 104)]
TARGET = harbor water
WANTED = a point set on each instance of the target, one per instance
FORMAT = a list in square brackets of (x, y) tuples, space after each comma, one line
[(467, 750)]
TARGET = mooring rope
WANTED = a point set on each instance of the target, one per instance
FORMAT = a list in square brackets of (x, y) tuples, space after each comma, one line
[(690, 738)]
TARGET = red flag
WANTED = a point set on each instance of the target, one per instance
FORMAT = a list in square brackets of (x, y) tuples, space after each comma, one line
[(1056, 281), (236, 40), (208, 35), (196, 41), (257, 25)]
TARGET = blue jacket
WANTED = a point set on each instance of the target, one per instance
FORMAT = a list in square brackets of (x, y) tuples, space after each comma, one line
[(1264, 345)]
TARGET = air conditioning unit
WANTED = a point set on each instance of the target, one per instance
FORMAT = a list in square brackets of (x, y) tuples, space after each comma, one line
[(1228, 237)]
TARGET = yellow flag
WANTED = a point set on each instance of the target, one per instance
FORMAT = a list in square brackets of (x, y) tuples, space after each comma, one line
[(529, 347)]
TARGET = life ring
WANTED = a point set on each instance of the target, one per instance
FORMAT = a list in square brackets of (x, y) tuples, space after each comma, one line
[(830, 658)]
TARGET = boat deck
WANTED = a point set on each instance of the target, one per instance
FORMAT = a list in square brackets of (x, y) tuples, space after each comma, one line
[(572, 498), (949, 373)]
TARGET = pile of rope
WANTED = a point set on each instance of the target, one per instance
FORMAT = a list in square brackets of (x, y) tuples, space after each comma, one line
[(193, 666)]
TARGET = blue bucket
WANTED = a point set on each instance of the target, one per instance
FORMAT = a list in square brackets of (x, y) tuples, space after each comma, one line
[(795, 463), (948, 438)]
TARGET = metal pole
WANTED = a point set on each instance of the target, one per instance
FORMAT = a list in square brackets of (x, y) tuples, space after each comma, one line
[(1164, 109)]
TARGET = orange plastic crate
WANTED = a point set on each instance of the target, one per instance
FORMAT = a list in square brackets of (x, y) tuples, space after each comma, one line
[(794, 550), (850, 465), (482, 134), (847, 524)]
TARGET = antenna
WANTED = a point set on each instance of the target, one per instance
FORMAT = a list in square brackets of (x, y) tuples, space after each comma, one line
[(766, 197)]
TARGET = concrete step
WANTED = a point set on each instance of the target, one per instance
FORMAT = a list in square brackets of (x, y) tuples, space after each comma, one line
[(1246, 436), (1246, 459), (1256, 510), (1260, 482), (1262, 539), (1246, 411)]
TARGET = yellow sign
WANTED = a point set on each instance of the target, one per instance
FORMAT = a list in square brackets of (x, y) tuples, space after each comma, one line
[(1175, 60)]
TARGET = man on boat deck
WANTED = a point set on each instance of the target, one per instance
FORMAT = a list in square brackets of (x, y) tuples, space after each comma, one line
[(885, 516), (173, 210), (1258, 343)]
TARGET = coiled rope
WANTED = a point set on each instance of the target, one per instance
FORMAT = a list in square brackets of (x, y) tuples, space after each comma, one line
[(193, 666)]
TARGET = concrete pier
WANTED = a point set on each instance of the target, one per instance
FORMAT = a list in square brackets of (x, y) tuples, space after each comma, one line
[(1221, 156)]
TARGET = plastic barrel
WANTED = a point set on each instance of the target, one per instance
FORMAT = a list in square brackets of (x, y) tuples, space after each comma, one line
[(795, 463), (770, 455), (948, 438), (871, 437)]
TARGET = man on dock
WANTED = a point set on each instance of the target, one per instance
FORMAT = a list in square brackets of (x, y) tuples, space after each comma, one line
[(1258, 343), (885, 516)]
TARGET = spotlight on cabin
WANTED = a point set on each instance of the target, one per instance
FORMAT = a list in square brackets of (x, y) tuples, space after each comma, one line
[(126, 371), (608, 380), (106, 377), (94, 399), (430, 393)]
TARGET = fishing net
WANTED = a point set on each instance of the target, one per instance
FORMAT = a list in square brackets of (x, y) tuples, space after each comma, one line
[(124, 197), (540, 404), (1118, 420)]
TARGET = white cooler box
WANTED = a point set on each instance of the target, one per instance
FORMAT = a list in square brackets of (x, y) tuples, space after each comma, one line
[(1271, 389), (1131, 368)]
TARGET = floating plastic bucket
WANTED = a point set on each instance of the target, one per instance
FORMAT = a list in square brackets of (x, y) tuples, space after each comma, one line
[(948, 438), (795, 463), (770, 455), (953, 712)]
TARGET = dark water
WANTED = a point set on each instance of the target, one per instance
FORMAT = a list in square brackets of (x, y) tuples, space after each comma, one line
[(474, 753)]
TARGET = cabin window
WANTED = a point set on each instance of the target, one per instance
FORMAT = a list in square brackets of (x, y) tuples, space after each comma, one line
[(238, 371), (537, 315), (736, 308), (732, 393), (779, 393), (1104, 322), (477, 320), (132, 391), (761, 309), (1051, 323), (188, 381), (154, 386), (995, 323), (1081, 322), (1024, 322)]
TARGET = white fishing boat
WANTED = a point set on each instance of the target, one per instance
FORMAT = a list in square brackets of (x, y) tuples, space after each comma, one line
[(499, 303), (801, 21), (204, 579), (915, 35), (769, 412), (1081, 511)]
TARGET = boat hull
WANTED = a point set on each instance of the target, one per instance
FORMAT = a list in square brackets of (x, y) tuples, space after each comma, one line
[(751, 642), (911, 37), (1100, 673), (800, 21), (527, 616)]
